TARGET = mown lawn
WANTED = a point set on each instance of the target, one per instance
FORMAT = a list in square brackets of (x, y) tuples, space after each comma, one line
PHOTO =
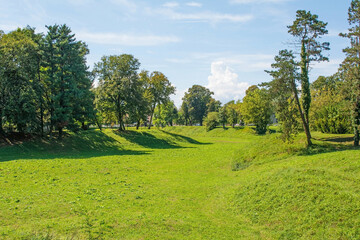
[(179, 183)]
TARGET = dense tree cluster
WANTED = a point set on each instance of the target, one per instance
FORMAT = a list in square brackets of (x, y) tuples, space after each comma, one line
[(44, 81), (325, 104), (45, 85)]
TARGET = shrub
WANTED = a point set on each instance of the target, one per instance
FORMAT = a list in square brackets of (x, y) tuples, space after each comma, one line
[(211, 121)]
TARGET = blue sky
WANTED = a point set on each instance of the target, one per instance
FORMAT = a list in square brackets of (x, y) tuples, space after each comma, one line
[(223, 44)]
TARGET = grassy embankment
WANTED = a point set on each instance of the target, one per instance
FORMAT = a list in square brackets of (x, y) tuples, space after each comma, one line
[(180, 183)]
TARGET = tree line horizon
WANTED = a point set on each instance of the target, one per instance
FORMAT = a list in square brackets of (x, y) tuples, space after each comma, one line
[(46, 86)]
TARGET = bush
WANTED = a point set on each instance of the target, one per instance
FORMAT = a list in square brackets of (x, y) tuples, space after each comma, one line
[(211, 121)]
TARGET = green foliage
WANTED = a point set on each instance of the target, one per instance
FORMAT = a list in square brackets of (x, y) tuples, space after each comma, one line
[(18, 60), (213, 105), (308, 29), (197, 99), (233, 112), (158, 91), (140, 107), (330, 111), (119, 84), (256, 109), (211, 121), (44, 81), (222, 116), (350, 67), (184, 112), (165, 114), (284, 94)]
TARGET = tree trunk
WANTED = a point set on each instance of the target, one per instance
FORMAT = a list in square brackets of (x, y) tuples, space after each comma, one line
[(304, 122), (356, 130), (99, 125), (60, 132), (137, 124), (41, 119), (120, 121), (151, 116), (305, 87), (2, 132), (356, 136)]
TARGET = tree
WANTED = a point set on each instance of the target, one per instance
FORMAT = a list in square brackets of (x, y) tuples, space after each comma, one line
[(351, 66), (233, 112), (222, 116), (184, 111), (213, 105), (330, 112), (18, 60), (257, 109), (118, 84), (140, 107), (308, 29), (165, 114), (158, 91), (67, 80), (197, 99), (284, 92), (211, 121)]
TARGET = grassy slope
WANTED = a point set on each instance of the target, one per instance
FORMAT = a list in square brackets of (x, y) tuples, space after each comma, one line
[(177, 184)]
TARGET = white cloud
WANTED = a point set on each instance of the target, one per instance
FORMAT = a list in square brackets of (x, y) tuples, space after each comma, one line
[(201, 16), (194, 4), (225, 83), (126, 39), (171, 4), (241, 62), (257, 1)]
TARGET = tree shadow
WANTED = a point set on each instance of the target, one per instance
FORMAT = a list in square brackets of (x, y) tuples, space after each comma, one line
[(147, 140), (87, 144), (328, 145), (339, 140), (184, 138)]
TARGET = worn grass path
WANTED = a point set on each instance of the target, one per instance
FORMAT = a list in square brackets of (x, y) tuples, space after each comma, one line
[(169, 185)]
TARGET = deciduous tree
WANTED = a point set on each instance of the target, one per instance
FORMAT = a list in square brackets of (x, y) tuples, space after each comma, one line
[(118, 84), (197, 99), (159, 90), (257, 109)]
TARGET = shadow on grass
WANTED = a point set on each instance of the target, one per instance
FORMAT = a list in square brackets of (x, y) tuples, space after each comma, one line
[(85, 144), (339, 140), (147, 140), (184, 138), (328, 145)]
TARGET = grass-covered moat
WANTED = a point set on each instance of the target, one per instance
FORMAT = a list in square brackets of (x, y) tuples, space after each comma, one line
[(180, 183)]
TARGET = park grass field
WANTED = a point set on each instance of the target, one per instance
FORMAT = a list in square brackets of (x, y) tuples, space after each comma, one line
[(180, 183)]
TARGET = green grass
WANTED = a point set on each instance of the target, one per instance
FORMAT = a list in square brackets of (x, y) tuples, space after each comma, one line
[(180, 183)]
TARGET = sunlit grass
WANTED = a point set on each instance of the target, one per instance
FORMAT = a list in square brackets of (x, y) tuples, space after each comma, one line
[(179, 183)]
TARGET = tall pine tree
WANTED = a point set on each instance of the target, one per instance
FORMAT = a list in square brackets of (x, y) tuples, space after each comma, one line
[(308, 29), (351, 66), (67, 80)]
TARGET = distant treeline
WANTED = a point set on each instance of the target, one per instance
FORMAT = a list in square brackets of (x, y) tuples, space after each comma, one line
[(46, 86)]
